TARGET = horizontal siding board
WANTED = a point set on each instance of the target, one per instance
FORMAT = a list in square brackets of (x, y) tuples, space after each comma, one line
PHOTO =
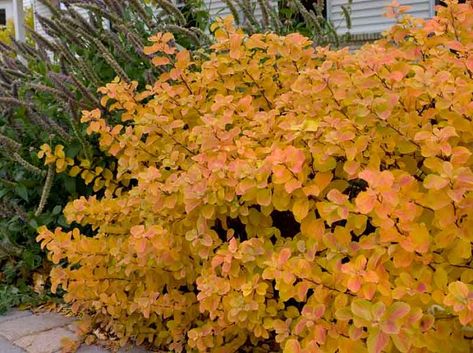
[(371, 28), (361, 16), (367, 16), (42, 10), (376, 11), (379, 3), (218, 8)]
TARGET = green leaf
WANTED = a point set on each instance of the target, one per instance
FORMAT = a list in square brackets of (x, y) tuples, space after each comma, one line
[(33, 224), (73, 150), (57, 210), (22, 191), (70, 185), (61, 222), (347, 14)]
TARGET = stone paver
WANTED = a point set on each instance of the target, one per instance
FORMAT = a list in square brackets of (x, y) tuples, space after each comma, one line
[(44, 342), (133, 350), (92, 349), (24, 332), (96, 349), (7, 347), (29, 325), (13, 315)]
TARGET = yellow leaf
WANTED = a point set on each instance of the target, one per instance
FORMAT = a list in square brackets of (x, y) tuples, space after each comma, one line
[(263, 197), (440, 278), (312, 227), (87, 176), (300, 208), (292, 346), (75, 170), (460, 251)]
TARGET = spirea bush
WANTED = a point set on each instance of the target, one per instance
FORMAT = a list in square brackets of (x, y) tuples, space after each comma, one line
[(48, 80), (285, 198)]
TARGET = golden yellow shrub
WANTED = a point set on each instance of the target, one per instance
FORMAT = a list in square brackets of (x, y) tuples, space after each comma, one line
[(284, 197)]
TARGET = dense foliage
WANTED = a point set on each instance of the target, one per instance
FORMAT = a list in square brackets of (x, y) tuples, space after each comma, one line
[(43, 88), (284, 197), (46, 82), (6, 32)]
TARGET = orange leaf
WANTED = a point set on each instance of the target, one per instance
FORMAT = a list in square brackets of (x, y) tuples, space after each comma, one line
[(160, 61)]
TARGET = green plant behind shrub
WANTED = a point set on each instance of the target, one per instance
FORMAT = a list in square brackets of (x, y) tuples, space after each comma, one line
[(44, 85)]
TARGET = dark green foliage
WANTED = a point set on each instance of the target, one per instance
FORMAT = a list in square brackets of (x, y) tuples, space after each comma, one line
[(43, 90)]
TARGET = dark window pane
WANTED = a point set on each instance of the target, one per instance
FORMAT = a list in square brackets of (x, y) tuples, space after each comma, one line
[(3, 17), (439, 2)]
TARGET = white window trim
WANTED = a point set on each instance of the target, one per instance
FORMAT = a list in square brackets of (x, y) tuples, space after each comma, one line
[(19, 20)]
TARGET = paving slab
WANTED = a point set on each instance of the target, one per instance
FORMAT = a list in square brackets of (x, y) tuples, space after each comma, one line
[(14, 314), (133, 350), (72, 327), (92, 349), (7, 347), (29, 325), (97, 349), (44, 342), (24, 332)]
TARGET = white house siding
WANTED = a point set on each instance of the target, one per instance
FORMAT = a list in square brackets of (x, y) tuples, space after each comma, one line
[(83, 12), (8, 6), (367, 16), (218, 8), (42, 10)]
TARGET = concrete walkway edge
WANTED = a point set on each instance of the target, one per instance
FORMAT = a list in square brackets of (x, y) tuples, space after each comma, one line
[(25, 332)]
